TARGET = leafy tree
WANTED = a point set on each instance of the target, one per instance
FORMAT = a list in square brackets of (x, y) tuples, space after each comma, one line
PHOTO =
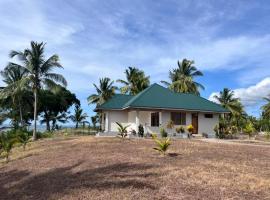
[(122, 130), (182, 78), (78, 117), (54, 106), (14, 96), (38, 72), (135, 82), (104, 92), (162, 145)]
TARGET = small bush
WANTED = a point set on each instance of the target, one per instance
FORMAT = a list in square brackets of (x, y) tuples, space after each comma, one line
[(7, 141), (122, 130), (140, 131), (163, 132), (133, 132), (162, 145), (153, 135), (249, 129), (180, 129), (205, 135), (190, 130), (170, 124)]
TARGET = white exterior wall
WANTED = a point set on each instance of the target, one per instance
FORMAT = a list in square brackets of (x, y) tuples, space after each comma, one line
[(115, 116), (206, 125)]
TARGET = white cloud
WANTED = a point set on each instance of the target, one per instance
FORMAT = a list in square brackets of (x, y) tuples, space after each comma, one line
[(252, 96)]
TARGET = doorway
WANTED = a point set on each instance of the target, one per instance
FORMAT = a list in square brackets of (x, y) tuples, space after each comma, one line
[(194, 122)]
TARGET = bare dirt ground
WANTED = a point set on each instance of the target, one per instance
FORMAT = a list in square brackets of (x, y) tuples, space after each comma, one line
[(109, 168)]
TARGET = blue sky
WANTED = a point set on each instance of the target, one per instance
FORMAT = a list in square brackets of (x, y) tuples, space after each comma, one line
[(228, 40)]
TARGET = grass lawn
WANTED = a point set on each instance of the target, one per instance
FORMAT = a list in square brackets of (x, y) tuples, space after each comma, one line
[(109, 168)]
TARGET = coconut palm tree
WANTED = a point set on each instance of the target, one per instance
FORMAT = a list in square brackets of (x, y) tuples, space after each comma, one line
[(227, 100), (105, 91), (135, 82), (12, 75), (182, 78), (78, 117), (38, 71)]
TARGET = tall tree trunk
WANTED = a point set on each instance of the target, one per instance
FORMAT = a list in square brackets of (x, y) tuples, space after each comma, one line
[(77, 124), (21, 117), (35, 115)]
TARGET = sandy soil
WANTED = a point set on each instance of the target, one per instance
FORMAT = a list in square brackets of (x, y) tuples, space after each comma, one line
[(110, 168)]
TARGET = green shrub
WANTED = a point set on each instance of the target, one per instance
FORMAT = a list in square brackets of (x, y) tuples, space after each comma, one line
[(170, 124), (7, 141), (23, 137), (163, 132), (153, 135), (249, 129), (140, 131), (180, 129), (122, 130), (162, 145)]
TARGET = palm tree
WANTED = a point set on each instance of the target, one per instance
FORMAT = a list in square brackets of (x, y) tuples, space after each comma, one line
[(79, 116), (182, 78), (12, 75), (135, 82), (227, 100), (105, 91), (38, 71), (94, 120)]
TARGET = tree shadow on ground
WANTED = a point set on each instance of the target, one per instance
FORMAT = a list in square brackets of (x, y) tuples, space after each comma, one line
[(61, 181)]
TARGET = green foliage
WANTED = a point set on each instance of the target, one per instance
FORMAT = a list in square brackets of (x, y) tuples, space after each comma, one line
[(104, 92), (140, 131), (38, 71), (23, 137), (153, 135), (78, 117), (122, 130), (163, 132), (162, 145), (249, 129), (182, 78), (7, 141), (170, 124), (180, 129), (135, 82)]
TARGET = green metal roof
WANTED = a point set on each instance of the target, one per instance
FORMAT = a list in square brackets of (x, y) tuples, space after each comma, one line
[(158, 97)]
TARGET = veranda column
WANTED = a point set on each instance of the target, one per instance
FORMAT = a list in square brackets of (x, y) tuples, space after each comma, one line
[(107, 117), (160, 118), (137, 120)]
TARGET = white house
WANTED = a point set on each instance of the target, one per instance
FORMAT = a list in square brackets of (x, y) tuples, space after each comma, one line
[(155, 107)]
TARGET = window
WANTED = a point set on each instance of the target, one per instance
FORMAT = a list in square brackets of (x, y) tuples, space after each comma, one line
[(155, 119), (208, 115), (178, 118)]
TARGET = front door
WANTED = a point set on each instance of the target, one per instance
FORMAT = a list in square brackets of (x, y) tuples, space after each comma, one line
[(195, 122)]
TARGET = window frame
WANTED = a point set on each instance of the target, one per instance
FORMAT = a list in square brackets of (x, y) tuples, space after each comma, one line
[(154, 122), (209, 115), (179, 118)]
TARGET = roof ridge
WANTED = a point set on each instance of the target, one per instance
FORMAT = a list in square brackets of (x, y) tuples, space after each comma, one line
[(136, 97)]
